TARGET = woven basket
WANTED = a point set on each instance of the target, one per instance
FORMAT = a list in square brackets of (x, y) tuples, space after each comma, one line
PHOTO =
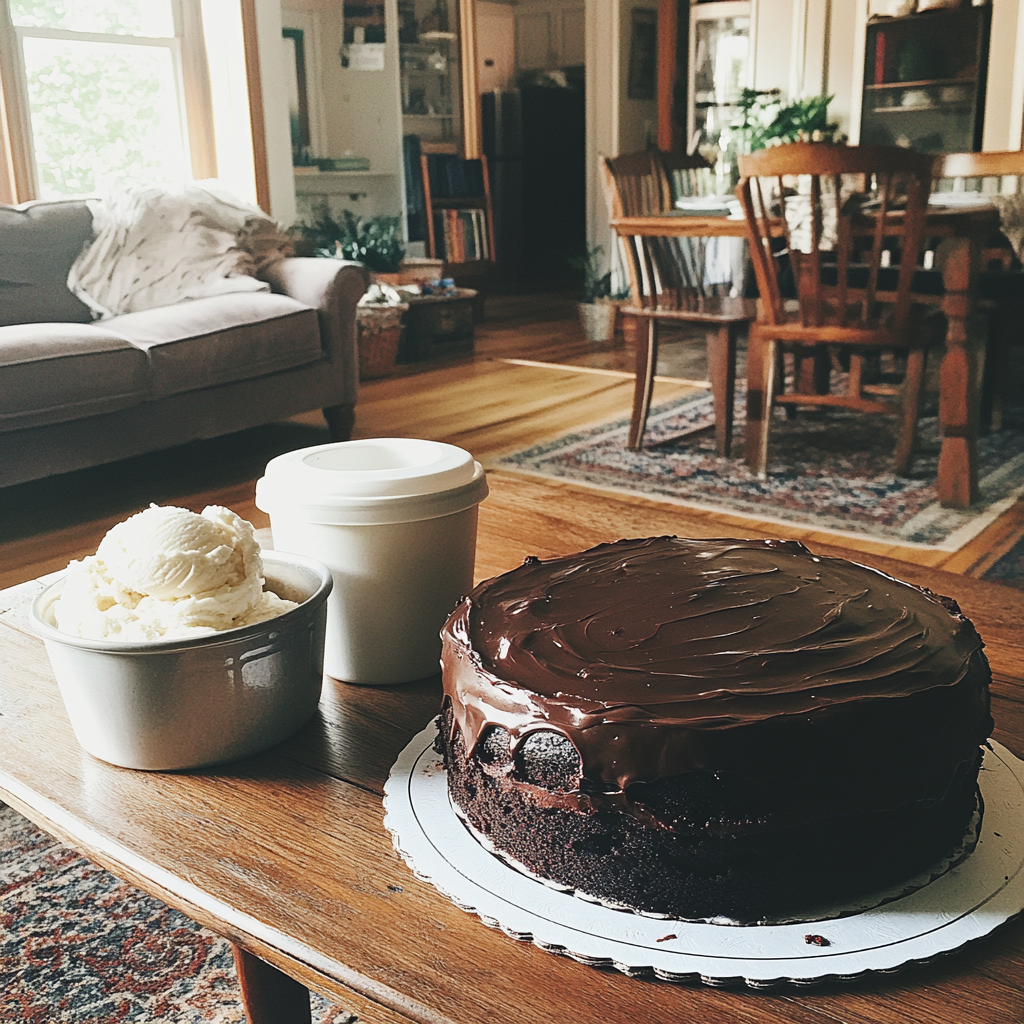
[(380, 329)]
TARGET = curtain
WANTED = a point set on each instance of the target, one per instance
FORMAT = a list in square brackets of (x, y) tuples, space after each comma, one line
[(196, 86), (17, 169)]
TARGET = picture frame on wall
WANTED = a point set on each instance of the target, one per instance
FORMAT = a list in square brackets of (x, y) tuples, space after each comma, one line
[(643, 54)]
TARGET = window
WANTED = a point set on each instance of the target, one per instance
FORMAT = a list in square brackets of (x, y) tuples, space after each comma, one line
[(104, 92)]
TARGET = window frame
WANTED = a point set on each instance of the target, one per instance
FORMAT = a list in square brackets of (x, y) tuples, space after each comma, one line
[(15, 107)]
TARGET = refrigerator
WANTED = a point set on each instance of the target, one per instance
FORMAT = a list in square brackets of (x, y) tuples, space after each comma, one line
[(534, 139)]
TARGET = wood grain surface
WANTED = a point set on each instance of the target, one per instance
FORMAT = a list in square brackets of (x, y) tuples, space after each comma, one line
[(286, 855)]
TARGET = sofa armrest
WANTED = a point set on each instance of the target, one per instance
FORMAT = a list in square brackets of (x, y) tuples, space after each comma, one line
[(333, 288)]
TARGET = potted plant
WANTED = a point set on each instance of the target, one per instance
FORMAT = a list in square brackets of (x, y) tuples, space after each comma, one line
[(766, 121), (375, 242), (597, 310)]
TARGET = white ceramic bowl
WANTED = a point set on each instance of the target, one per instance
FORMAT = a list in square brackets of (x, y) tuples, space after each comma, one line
[(177, 704)]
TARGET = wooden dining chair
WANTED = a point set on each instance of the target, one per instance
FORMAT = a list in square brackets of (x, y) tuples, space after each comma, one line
[(998, 177), (841, 248), (666, 280), (962, 166)]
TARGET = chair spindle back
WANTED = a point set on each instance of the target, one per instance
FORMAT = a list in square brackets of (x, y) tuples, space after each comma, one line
[(839, 235)]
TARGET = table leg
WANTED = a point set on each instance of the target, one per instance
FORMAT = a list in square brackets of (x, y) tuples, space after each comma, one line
[(722, 371), (761, 364), (959, 374), (269, 995)]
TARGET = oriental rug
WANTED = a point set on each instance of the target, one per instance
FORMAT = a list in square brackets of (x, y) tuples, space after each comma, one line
[(829, 472), (78, 946)]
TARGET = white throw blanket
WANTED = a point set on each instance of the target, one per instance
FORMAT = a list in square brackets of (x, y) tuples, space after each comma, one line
[(154, 247)]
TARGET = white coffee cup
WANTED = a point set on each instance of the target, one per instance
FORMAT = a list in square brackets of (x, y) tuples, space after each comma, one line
[(395, 520)]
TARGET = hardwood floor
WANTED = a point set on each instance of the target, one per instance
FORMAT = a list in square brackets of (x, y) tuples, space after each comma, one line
[(532, 376)]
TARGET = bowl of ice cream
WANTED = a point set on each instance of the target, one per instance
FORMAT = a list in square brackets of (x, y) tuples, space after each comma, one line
[(181, 644)]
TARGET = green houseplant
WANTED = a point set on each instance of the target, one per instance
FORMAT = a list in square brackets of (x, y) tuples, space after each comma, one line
[(597, 310), (767, 121), (375, 242)]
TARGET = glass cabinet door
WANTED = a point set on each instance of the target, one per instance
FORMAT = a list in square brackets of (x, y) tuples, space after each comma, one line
[(719, 62), (431, 73)]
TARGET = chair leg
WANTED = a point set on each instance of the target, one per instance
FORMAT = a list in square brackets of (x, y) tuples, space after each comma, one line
[(912, 384), (811, 371), (855, 382), (722, 371), (760, 391), (646, 362)]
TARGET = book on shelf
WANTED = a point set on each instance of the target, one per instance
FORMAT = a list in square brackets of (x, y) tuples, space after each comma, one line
[(415, 201), (451, 177), (461, 235)]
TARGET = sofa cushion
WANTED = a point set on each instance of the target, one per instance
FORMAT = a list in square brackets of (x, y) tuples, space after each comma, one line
[(221, 339), (38, 244), (54, 372)]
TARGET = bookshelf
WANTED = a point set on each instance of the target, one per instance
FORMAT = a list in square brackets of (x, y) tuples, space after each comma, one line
[(924, 80), (459, 213)]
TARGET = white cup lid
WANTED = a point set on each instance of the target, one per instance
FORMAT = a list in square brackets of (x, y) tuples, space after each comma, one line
[(376, 480)]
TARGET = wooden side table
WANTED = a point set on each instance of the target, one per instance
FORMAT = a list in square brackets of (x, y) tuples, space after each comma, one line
[(438, 326)]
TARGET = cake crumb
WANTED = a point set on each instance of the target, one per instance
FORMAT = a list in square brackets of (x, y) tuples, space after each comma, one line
[(665, 938), (816, 940)]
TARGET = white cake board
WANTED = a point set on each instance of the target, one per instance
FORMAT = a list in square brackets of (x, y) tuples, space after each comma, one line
[(962, 905)]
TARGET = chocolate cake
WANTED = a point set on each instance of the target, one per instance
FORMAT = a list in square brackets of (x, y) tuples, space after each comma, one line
[(713, 729)]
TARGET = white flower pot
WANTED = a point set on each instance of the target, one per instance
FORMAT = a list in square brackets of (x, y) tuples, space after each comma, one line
[(598, 320)]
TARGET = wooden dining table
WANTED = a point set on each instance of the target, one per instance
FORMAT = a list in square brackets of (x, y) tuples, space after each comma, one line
[(286, 854), (961, 233)]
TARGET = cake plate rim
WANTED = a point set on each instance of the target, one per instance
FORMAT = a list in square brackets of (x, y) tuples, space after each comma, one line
[(963, 905)]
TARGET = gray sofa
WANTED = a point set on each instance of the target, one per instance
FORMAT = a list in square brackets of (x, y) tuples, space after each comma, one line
[(77, 393)]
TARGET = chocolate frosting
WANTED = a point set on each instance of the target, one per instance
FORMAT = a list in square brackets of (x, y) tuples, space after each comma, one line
[(664, 655)]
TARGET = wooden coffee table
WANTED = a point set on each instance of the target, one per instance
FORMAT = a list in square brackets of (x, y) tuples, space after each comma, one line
[(285, 854)]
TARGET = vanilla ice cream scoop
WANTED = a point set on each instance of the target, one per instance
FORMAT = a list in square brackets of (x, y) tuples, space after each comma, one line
[(172, 552), (168, 573)]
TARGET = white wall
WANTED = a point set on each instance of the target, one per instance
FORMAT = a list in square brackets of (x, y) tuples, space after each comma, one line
[(351, 112), (496, 44), (358, 111), (1004, 95), (615, 123), (549, 33), (275, 111), (638, 119), (845, 62), (603, 107)]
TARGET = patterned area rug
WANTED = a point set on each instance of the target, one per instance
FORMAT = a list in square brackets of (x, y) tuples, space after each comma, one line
[(77, 946), (827, 472)]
